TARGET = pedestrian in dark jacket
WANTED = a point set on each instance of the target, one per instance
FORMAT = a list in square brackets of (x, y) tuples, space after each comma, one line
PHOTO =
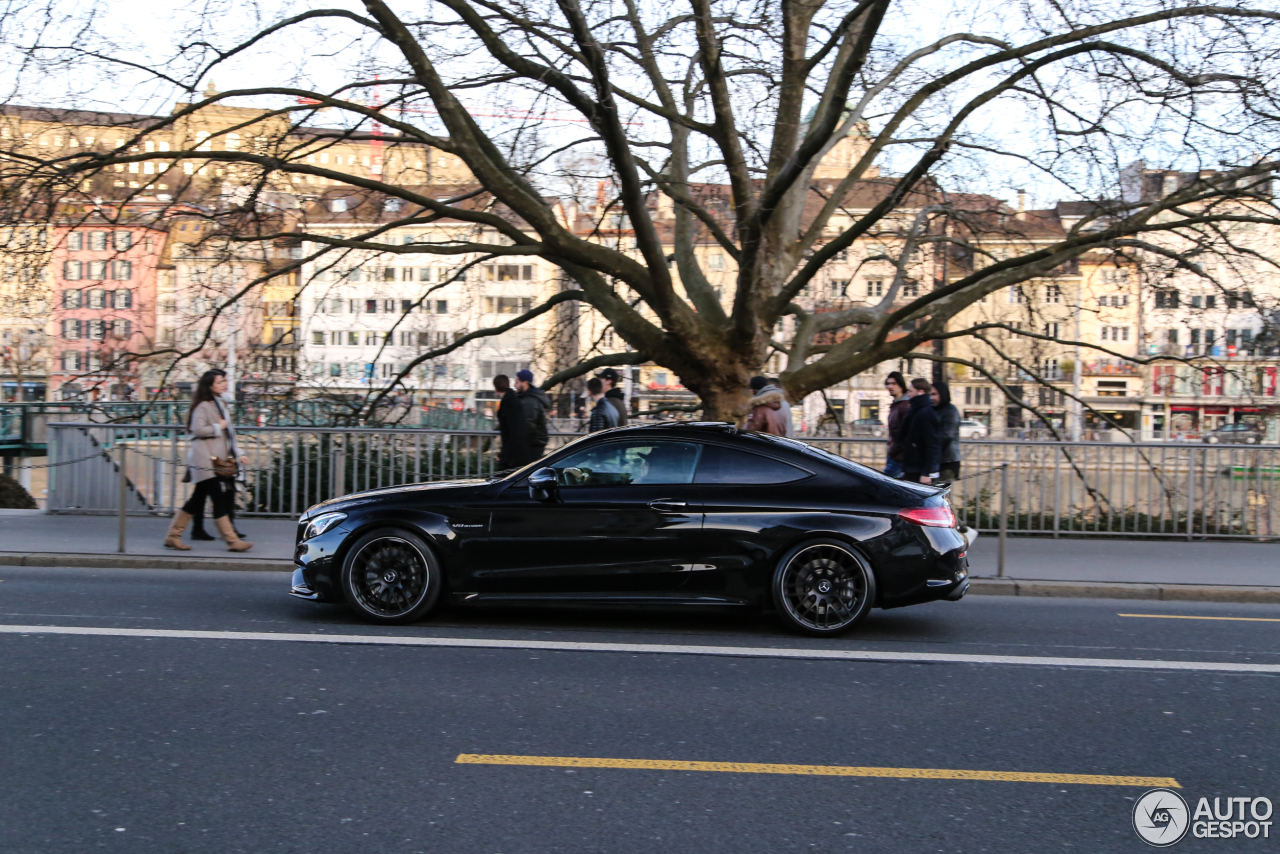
[(900, 403), (610, 378), (768, 410), (511, 427), (603, 413), (949, 424), (922, 438), (536, 405)]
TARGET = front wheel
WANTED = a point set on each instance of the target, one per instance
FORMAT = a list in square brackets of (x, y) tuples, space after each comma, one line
[(823, 588), (391, 576), (1212, 440)]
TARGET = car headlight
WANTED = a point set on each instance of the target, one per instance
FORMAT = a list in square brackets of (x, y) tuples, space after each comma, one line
[(322, 523)]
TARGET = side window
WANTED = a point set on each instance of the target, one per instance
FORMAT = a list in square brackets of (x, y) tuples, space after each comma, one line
[(626, 463), (731, 466)]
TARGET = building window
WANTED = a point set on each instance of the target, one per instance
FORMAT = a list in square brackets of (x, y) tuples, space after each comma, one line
[(507, 305), (1014, 295), (509, 272), (977, 395), (406, 306), (371, 306), (71, 329), (71, 298), (442, 306), (75, 241), (97, 270), (875, 288), (353, 339), (1166, 299), (71, 270), (121, 329), (122, 299), (389, 305), (121, 271), (371, 339), (97, 330), (1051, 329), (1115, 333), (1052, 294), (338, 205), (98, 298), (123, 240), (335, 369), (911, 289), (97, 241), (317, 338)]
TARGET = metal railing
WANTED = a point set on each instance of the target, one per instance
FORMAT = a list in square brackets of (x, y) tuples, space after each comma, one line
[(1054, 489)]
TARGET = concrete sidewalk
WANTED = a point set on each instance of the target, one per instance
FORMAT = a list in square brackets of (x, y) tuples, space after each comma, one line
[(1119, 568)]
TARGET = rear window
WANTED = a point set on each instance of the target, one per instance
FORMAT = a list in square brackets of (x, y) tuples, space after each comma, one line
[(720, 465)]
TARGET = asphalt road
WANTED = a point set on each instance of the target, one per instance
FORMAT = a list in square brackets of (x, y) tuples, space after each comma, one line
[(222, 744)]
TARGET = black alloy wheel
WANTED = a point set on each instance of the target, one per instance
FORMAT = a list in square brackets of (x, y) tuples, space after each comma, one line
[(391, 576), (823, 588)]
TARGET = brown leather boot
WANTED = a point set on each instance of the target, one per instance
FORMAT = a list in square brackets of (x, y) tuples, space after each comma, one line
[(228, 532), (173, 539)]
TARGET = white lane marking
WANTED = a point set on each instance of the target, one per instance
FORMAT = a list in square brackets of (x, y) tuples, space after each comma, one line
[(655, 648)]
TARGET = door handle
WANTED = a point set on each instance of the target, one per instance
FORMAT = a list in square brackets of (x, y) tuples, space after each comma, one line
[(666, 504)]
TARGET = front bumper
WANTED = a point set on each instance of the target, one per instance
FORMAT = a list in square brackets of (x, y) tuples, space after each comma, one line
[(318, 566)]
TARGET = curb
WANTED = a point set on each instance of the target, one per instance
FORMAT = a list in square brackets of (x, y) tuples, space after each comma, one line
[(977, 586), (1120, 590), (99, 561)]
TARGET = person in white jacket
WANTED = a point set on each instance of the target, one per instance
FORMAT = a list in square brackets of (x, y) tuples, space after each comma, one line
[(212, 455)]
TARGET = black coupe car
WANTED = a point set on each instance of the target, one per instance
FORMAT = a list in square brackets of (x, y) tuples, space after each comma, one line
[(676, 514)]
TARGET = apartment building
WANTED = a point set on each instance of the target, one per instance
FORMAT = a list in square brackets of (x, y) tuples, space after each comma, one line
[(364, 315), (24, 312), (105, 269)]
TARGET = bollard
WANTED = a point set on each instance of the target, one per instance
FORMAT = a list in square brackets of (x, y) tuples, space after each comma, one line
[(1004, 517), (123, 495)]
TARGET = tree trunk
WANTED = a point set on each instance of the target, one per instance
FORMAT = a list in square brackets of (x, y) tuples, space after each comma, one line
[(725, 393)]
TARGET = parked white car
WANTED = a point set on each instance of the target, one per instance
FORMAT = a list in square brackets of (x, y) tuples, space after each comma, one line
[(970, 429)]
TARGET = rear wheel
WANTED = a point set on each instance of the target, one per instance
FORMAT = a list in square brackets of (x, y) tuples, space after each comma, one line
[(823, 588), (391, 576)]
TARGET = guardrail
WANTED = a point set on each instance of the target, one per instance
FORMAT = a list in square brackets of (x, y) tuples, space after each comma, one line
[(1054, 489)]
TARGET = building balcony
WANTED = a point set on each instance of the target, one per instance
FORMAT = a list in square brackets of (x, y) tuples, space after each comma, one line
[(1111, 367)]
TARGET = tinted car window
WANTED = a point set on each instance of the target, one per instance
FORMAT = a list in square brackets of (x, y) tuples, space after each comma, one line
[(729, 465), (626, 463)]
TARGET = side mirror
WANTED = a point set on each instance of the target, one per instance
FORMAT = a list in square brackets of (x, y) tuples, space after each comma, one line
[(544, 484)]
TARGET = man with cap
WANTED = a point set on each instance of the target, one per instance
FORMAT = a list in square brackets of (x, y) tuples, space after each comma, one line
[(768, 410), (609, 377), (536, 405)]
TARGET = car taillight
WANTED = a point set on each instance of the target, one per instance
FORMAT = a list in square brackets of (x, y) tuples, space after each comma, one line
[(930, 517)]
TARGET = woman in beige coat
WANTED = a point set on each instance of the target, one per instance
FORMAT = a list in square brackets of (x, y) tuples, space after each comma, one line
[(211, 439)]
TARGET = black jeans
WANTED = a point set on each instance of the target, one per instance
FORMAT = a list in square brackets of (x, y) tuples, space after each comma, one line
[(220, 490)]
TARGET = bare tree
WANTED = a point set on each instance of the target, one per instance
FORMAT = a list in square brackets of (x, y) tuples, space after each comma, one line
[(788, 137)]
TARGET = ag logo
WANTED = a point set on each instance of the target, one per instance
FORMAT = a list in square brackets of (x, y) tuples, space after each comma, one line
[(1160, 817)]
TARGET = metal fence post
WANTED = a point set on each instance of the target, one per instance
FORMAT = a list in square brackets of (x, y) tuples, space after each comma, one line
[(123, 494), (1004, 517)]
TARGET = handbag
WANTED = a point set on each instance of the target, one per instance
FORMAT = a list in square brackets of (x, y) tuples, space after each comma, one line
[(225, 466)]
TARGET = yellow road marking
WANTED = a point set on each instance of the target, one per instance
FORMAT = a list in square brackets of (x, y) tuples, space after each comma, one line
[(815, 770), (1188, 617)]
